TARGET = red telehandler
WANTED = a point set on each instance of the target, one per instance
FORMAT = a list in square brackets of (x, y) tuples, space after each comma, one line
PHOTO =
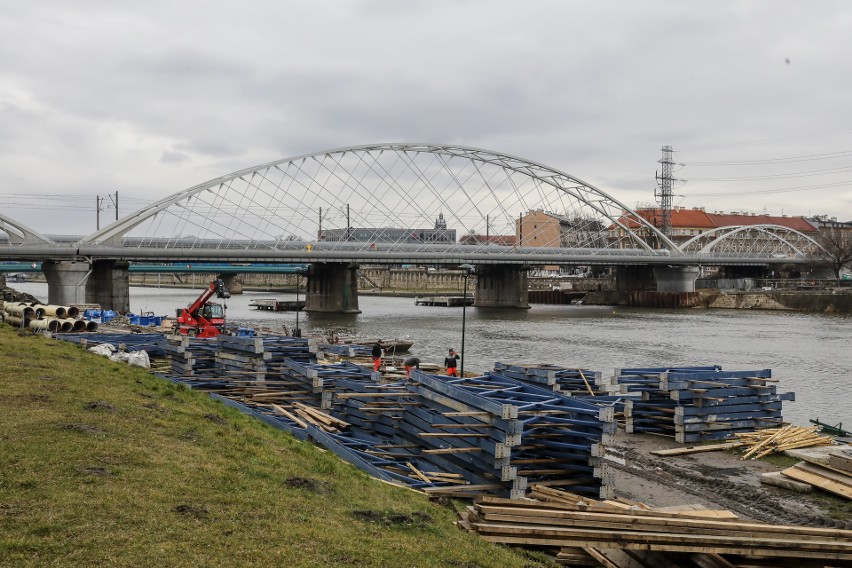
[(204, 318)]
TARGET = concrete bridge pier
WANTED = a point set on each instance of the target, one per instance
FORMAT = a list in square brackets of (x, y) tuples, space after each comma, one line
[(634, 278), (332, 288), (676, 278), (66, 281), (502, 286), (109, 285), (233, 285)]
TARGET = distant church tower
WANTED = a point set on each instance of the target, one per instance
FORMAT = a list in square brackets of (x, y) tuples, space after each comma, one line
[(440, 222)]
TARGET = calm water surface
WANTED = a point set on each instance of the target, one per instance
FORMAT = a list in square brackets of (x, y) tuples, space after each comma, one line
[(808, 354)]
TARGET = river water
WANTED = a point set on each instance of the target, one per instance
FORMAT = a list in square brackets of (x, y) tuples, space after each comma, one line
[(809, 354)]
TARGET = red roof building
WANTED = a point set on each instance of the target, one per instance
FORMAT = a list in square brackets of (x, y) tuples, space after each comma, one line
[(687, 223)]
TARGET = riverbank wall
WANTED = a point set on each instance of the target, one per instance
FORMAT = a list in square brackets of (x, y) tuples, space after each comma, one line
[(827, 302)]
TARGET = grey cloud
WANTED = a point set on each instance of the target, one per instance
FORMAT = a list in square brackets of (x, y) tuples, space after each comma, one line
[(170, 157)]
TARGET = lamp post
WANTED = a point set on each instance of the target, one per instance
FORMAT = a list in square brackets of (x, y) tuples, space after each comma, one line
[(468, 270), (296, 331)]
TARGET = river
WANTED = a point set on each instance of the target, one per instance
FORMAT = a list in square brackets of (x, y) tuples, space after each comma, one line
[(809, 354)]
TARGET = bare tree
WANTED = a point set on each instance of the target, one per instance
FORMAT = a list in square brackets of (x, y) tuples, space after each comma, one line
[(836, 248)]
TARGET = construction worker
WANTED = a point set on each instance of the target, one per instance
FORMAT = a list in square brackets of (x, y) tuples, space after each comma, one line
[(411, 362), (450, 363), (377, 356)]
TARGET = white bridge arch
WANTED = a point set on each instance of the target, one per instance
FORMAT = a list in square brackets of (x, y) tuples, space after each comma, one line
[(19, 234), (401, 196), (752, 241)]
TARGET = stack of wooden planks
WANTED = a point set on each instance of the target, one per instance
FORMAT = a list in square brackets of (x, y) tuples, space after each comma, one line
[(582, 532), (831, 472), (696, 404), (771, 440)]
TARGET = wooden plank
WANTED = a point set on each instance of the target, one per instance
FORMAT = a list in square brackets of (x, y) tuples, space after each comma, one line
[(697, 449), (778, 479), (819, 481), (841, 462), (827, 472), (673, 521), (613, 558), (556, 536)]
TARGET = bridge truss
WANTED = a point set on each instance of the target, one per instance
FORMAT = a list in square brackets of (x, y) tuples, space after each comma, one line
[(752, 241), (391, 197)]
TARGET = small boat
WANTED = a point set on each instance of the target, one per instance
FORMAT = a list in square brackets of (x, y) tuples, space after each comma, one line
[(390, 346)]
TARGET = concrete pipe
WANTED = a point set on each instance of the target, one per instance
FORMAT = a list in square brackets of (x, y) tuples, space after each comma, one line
[(16, 321), (66, 325), (39, 310), (72, 311), (91, 326), (77, 325), (50, 324), (21, 310), (54, 310)]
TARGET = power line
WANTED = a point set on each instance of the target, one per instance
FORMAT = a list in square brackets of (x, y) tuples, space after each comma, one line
[(776, 176), (805, 158), (736, 193), (767, 140)]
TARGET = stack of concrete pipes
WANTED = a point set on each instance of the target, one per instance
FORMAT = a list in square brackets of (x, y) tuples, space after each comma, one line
[(40, 317)]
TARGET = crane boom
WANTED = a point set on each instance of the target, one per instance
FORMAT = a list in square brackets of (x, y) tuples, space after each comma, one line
[(204, 318)]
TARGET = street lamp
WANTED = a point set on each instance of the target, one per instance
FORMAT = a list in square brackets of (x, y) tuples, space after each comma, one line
[(296, 331), (468, 270)]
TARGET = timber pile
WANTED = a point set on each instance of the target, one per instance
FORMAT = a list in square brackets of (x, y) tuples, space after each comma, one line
[(696, 404), (570, 382), (582, 532), (789, 437), (826, 478), (831, 472)]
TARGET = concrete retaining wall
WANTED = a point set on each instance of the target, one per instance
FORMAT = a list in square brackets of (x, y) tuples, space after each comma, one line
[(812, 302)]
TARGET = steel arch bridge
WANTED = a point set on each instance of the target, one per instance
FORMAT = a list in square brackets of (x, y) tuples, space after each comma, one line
[(405, 200), (404, 197), (751, 241)]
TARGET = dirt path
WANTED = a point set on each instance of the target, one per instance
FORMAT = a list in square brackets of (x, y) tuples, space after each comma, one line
[(717, 480)]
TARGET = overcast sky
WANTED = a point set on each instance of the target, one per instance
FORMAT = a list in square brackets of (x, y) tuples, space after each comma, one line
[(148, 98)]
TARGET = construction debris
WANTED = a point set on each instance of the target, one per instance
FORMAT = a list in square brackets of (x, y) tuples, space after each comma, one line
[(772, 440), (583, 532)]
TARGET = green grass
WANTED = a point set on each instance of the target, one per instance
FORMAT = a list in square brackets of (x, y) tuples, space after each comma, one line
[(103, 464)]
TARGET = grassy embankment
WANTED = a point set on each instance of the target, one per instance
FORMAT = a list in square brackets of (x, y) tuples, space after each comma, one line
[(103, 464)]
